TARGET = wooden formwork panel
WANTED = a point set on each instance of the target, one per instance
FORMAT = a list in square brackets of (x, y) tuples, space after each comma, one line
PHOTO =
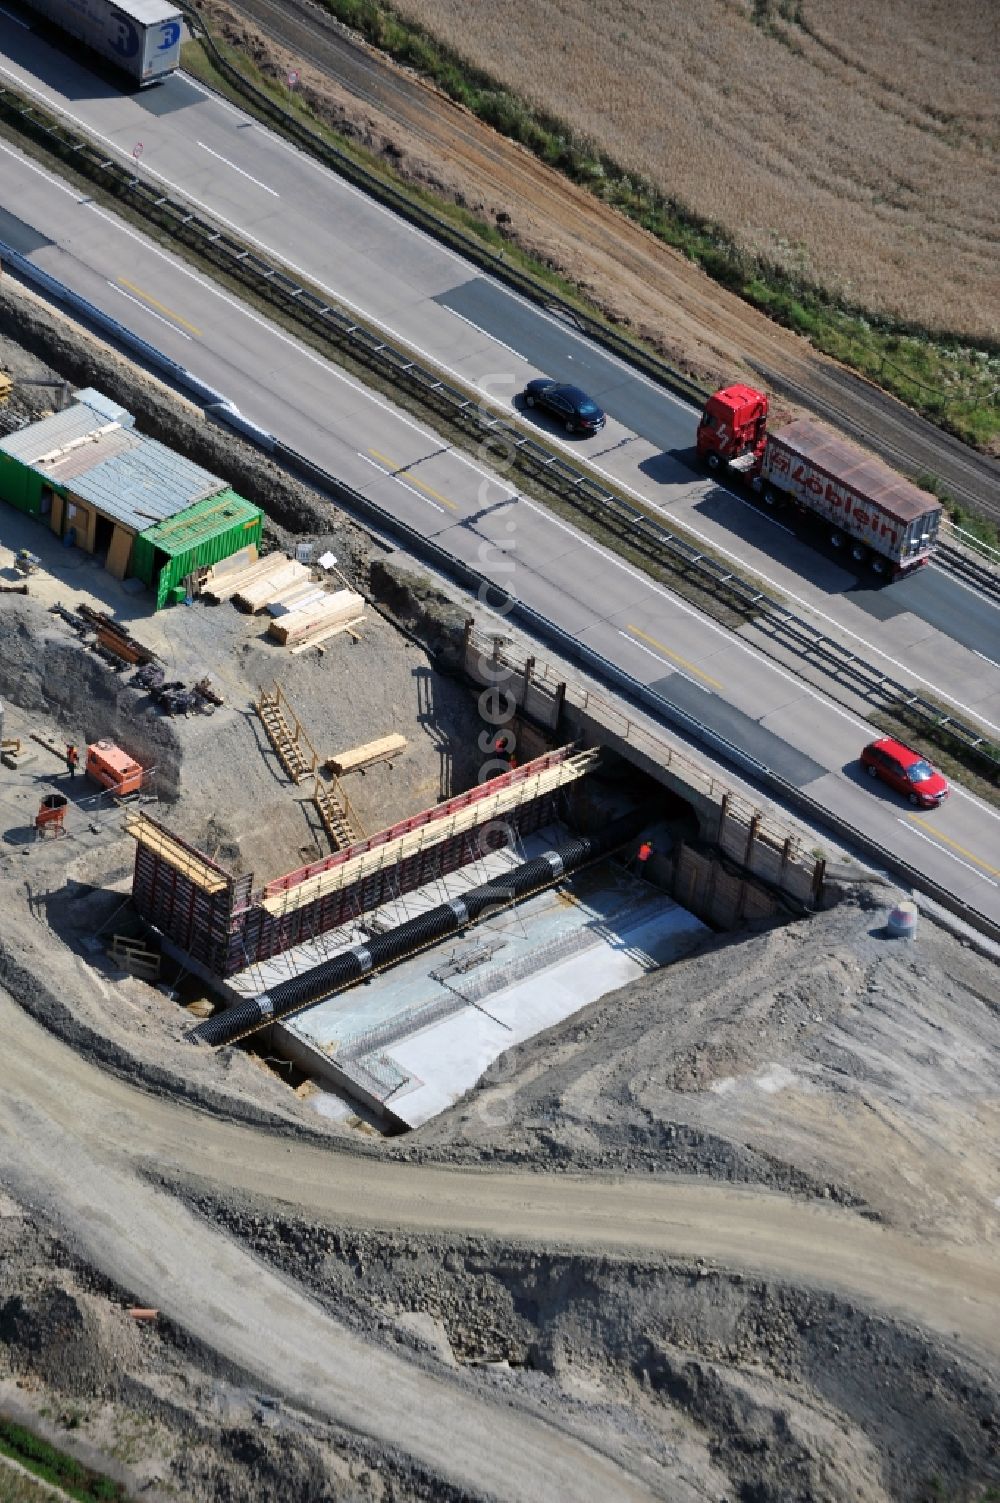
[(780, 862), (167, 897), (718, 897), (176, 852), (266, 934)]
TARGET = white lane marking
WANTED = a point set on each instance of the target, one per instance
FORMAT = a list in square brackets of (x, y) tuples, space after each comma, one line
[(34, 167), (486, 333), (16, 19), (790, 594), (411, 488), (597, 469), (950, 854), (55, 102), (665, 663), (139, 304), (971, 588), (275, 332), (992, 661), (971, 798), (466, 265), (730, 638), (215, 98), (331, 370), (219, 158), (766, 516)]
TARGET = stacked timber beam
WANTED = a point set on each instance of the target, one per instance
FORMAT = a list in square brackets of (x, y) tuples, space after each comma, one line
[(182, 893), (357, 758), (312, 621), (305, 611)]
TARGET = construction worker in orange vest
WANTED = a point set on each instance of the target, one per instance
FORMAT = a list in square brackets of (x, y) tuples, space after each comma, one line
[(72, 759)]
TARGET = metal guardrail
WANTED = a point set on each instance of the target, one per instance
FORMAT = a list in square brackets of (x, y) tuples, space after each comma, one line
[(571, 485), (608, 673), (468, 246), (634, 691), (969, 559)]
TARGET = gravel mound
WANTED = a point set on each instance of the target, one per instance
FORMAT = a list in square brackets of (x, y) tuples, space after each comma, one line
[(815, 1057), (757, 1389)]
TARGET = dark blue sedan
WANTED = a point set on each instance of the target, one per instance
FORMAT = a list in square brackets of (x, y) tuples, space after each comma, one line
[(570, 406)]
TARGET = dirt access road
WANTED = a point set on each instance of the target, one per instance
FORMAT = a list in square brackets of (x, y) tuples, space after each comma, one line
[(625, 271), (81, 1144)]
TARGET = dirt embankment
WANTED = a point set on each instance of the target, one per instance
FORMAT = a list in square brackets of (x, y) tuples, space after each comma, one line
[(757, 1388), (710, 1383), (634, 279), (151, 1406), (817, 1056)]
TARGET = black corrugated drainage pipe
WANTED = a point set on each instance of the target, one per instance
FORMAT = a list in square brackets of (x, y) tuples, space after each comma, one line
[(381, 950)]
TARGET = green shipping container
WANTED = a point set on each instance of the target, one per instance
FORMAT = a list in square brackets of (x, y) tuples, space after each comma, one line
[(24, 487), (202, 535)]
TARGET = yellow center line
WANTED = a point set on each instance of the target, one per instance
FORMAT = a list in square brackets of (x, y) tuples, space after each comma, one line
[(706, 678), (413, 480), (993, 870), (431, 492), (154, 303)]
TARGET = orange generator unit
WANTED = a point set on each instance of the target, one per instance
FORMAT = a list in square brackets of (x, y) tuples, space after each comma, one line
[(113, 769)]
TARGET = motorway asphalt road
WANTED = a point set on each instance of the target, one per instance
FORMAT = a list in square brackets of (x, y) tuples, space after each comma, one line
[(931, 628), (358, 435)]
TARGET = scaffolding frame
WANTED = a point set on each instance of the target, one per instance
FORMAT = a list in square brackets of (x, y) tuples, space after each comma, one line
[(229, 926)]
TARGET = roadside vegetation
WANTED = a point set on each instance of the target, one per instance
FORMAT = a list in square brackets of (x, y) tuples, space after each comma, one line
[(53, 1466), (895, 278), (979, 533)]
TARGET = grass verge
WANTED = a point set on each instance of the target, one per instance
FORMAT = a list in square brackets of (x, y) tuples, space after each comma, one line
[(51, 1465), (951, 383), (196, 61), (979, 529)]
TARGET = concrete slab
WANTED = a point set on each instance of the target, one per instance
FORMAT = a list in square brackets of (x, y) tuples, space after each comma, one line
[(427, 1029), (470, 1041)]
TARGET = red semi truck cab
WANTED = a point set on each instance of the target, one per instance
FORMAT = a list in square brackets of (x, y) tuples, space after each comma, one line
[(869, 512), (733, 429)]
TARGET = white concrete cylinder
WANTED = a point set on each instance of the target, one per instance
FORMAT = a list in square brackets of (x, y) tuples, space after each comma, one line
[(902, 923)]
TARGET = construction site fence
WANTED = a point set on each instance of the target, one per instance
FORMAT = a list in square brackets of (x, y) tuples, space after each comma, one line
[(270, 282), (384, 523)]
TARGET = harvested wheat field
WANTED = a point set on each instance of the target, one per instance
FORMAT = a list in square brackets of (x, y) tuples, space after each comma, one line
[(851, 143)]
